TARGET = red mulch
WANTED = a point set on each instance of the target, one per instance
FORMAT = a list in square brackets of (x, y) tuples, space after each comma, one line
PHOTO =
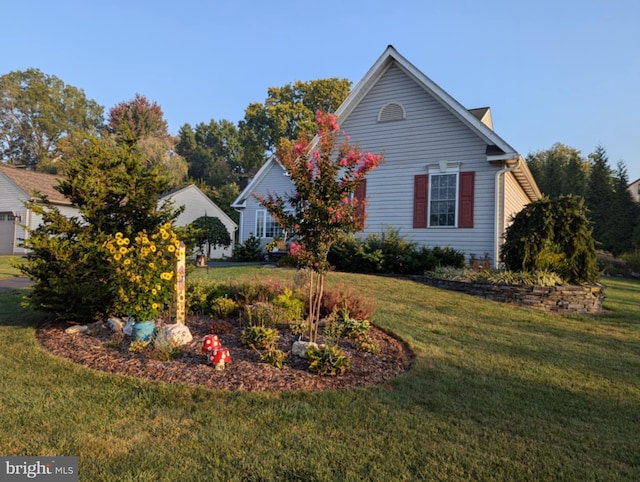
[(103, 350)]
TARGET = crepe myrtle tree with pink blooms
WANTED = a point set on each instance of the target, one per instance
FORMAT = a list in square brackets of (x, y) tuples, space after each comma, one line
[(323, 208)]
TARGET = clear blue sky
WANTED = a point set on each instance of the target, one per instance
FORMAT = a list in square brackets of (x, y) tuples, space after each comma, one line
[(551, 70)]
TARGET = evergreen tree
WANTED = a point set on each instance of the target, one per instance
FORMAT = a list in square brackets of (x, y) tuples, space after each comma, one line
[(599, 197), (115, 193)]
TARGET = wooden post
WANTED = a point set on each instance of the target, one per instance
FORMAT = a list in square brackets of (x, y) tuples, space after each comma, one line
[(181, 285)]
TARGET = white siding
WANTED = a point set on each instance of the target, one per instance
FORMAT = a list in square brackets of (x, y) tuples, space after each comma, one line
[(197, 204), (430, 134), (11, 201)]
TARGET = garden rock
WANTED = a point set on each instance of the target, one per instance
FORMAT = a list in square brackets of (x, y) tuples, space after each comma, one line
[(299, 348), (76, 329), (177, 333), (115, 325)]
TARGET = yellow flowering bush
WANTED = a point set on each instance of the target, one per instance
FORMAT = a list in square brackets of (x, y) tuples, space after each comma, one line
[(144, 271)]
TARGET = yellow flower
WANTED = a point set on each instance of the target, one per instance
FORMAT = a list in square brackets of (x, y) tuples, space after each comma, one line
[(152, 265), (126, 241), (123, 250), (158, 287), (155, 306), (120, 241), (165, 235), (154, 291), (171, 248), (118, 235), (127, 261), (152, 248), (117, 256), (167, 225)]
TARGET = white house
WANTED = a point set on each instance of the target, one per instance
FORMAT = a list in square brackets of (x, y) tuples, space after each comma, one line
[(197, 204), (16, 187), (447, 180), (634, 189)]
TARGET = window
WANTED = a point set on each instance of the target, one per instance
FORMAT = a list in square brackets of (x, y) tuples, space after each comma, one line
[(444, 199), (266, 227), (442, 202)]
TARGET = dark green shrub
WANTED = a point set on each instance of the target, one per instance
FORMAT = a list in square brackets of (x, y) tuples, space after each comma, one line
[(223, 307), (259, 337), (552, 234), (389, 253), (292, 305), (274, 356), (328, 360), (264, 314), (210, 232), (250, 250)]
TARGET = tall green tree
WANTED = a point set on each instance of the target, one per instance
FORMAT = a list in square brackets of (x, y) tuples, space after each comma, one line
[(289, 111), (559, 170), (115, 192), (599, 197), (624, 217), (38, 111)]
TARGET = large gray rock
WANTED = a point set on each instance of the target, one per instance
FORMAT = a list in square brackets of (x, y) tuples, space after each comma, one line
[(299, 348), (176, 333)]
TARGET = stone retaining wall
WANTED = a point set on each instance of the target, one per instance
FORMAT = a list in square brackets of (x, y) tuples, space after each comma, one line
[(552, 299)]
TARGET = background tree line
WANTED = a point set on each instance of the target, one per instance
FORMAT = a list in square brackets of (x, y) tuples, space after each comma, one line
[(45, 123), (614, 215)]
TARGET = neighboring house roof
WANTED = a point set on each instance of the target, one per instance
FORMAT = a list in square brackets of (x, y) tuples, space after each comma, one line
[(215, 209), (257, 179), (34, 183)]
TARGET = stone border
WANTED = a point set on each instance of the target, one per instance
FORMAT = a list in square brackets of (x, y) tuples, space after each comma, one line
[(566, 299)]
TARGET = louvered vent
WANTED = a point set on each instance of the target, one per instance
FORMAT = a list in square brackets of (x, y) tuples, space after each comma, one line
[(391, 112)]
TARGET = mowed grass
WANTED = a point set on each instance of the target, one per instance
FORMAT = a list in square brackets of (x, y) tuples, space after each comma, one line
[(7, 270), (495, 393)]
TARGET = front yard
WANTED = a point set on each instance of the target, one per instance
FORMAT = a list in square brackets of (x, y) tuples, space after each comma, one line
[(495, 393)]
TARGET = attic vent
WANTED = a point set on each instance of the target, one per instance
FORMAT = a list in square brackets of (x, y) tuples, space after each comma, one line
[(391, 112)]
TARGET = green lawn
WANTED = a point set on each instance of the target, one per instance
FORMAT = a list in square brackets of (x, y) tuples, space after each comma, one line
[(6, 268), (495, 393)]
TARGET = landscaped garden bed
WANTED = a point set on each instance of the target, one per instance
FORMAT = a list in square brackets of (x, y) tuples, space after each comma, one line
[(102, 349)]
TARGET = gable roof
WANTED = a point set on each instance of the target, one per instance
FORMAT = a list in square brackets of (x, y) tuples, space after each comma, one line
[(477, 120), (497, 148), (31, 183), (192, 187), (257, 179)]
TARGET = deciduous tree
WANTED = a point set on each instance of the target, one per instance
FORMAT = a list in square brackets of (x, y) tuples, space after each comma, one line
[(323, 207), (38, 111)]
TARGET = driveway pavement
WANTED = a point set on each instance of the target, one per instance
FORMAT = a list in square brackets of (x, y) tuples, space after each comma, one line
[(14, 283)]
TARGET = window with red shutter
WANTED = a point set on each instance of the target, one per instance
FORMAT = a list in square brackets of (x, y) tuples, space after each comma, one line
[(466, 198), (420, 197)]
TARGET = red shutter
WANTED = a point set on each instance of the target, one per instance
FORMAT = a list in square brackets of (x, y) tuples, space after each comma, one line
[(465, 211), (420, 197), (361, 195)]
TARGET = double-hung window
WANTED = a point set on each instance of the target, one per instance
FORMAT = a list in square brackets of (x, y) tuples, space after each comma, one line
[(442, 199), (266, 227)]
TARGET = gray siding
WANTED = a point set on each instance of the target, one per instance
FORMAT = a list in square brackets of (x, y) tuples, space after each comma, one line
[(275, 182), (430, 134)]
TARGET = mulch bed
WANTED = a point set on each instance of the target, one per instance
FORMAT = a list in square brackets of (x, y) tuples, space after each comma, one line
[(103, 350)]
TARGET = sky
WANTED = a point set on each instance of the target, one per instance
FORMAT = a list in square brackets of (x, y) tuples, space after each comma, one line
[(552, 71)]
